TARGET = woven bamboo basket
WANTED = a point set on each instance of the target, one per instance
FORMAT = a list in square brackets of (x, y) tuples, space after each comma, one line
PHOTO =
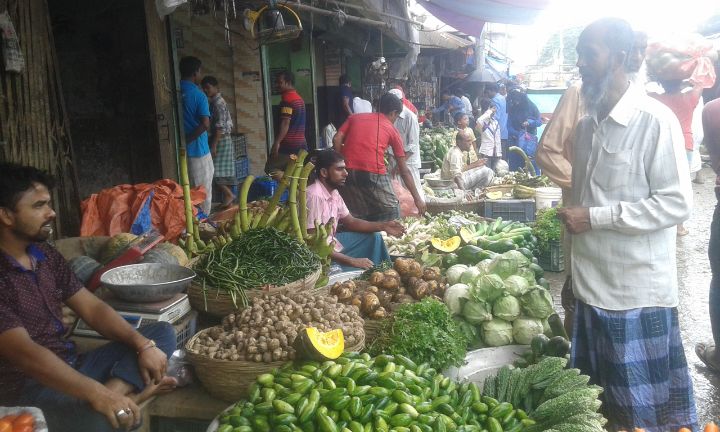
[(372, 329), (218, 303), (230, 380)]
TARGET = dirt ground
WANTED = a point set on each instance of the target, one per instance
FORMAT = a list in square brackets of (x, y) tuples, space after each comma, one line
[(694, 277)]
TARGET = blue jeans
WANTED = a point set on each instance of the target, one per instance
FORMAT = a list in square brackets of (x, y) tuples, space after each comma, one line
[(65, 413), (714, 256)]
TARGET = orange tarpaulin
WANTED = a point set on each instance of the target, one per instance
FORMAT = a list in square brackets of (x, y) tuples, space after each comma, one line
[(113, 210)]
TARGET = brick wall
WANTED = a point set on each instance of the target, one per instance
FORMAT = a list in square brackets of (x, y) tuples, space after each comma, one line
[(237, 69)]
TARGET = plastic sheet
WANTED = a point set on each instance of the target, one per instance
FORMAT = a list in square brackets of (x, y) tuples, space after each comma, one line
[(690, 57), (115, 210), (407, 203)]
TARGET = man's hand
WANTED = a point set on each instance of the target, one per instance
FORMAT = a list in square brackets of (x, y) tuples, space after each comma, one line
[(477, 164), (275, 150), (363, 263), (109, 404), (394, 228), (420, 204), (152, 364), (576, 219)]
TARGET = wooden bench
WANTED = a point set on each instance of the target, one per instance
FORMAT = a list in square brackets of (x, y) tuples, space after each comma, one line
[(191, 402)]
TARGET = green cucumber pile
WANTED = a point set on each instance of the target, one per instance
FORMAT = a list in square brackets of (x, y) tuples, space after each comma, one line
[(360, 393), (556, 398)]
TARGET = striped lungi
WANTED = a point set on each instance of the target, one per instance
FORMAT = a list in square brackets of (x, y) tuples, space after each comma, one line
[(637, 357), (370, 196)]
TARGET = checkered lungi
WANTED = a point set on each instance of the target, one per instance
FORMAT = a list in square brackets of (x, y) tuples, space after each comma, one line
[(224, 162), (370, 196), (637, 357)]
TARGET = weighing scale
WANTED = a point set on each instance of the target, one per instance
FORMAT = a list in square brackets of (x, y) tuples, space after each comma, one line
[(140, 314)]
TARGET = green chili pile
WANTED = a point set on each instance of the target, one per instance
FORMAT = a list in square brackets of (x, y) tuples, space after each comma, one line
[(259, 258)]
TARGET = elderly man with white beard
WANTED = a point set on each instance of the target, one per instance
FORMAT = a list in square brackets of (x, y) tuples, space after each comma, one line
[(629, 190)]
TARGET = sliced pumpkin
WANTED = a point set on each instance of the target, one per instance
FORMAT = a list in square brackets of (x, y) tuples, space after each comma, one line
[(312, 344), (448, 245), (468, 236)]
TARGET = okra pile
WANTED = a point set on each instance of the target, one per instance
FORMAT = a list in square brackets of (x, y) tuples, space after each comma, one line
[(360, 393)]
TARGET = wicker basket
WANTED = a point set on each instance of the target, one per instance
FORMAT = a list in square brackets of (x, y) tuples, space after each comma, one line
[(218, 303), (372, 328), (230, 380)]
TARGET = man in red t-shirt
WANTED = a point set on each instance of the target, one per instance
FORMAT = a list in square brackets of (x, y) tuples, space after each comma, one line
[(363, 140)]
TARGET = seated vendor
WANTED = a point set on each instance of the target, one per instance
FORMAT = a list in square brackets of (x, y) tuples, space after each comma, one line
[(96, 391), (360, 244), (457, 167)]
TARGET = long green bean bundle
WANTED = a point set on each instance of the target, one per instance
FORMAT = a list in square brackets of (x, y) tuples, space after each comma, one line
[(260, 257)]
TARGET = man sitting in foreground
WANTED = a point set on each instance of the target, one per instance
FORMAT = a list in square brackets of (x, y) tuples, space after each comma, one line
[(466, 175), (360, 245), (96, 391)]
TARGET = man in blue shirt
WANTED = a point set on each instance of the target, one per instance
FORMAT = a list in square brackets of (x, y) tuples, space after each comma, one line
[(451, 105), (196, 122), (346, 99), (491, 92)]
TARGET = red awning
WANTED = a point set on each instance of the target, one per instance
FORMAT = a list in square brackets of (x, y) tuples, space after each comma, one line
[(470, 17)]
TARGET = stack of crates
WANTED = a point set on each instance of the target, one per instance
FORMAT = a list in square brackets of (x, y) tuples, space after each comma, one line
[(242, 164)]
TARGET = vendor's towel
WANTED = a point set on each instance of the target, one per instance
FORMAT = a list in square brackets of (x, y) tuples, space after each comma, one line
[(638, 358), (370, 196)]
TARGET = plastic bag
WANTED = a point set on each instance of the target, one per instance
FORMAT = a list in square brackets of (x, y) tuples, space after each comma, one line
[(179, 368), (407, 203), (12, 55), (689, 57)]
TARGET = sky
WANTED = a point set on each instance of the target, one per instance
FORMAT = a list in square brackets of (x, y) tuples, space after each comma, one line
[(657, 18)]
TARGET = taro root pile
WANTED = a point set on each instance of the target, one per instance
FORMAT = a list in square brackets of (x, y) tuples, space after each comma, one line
[(384, 291), (266, 330)]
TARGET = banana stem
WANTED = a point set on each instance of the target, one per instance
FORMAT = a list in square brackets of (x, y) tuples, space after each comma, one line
[(282, 186), (244, 220), (302, 201), (185, 180), (292, 200)]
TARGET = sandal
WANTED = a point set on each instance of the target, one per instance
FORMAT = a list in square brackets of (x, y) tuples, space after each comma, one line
[(682, 231), (701, 351)]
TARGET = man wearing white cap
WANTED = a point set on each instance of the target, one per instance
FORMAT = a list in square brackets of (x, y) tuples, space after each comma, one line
[(409, 129)]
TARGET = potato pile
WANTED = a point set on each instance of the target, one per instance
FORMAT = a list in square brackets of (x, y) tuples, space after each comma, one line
[(407, 282), (265, 330)]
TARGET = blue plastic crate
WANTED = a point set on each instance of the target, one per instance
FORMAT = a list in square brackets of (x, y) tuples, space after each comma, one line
[(264, 188), (242, 168), (240, 146), (514, 210)]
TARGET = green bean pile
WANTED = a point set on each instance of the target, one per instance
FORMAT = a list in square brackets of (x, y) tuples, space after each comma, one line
[(258, 258)]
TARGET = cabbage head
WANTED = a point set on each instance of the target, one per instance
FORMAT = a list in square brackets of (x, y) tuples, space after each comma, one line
[(504, 266), (516, 285), (484, 266), (537, 303), (487, 288), (497, 332), (470, 275), (507, 308), (453, 273), (477, 312), (528, 275), (518, 257), (455, 296), (524, 329), (470, 331)]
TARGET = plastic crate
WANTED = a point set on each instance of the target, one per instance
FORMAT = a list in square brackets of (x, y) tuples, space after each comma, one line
[(242, 168), (188, 329), (240, 145), (264, 188), (554, 259), (521, 210)]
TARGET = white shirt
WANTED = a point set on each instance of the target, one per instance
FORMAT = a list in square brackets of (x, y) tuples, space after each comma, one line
[(409, 129), (632, 172), (361, 106), (489, 130), (468, 105)]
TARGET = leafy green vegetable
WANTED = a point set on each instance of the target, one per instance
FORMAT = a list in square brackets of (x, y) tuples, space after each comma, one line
[(470, 275), (546, 229), (525, 329), (385, 265), (517, 285), (453, 273), (504, 265), (471, 332), (454, 297), (424, 332)]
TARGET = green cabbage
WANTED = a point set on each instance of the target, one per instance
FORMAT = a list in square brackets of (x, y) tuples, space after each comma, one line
[(454, 297), (516, 285), (484, 266), (470, 275), (507, 308), (476, 312), (497, 332), (518, 257), (524, 329), (537, 303), (504, 266), (487, 288), (528, 275), (453, 273)]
